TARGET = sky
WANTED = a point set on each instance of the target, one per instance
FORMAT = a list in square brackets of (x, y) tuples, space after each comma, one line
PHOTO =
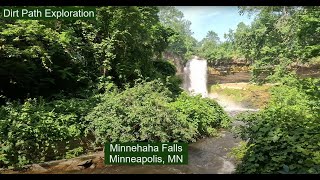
[(216, 18)]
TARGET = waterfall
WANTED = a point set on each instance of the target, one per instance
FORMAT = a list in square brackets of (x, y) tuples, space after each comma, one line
[(195, 77)]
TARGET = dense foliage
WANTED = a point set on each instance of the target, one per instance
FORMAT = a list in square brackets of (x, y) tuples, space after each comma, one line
[(181, 43), (146, 112), (64, 83), (46, 58), (205, 113), (277, 37), (217, 52), (52, 72), (284, 137), (36, 130)]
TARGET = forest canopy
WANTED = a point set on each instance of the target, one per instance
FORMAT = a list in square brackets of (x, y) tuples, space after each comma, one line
[(277, 37), (48, 57)]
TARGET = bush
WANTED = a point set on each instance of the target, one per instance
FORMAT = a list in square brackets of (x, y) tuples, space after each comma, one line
[(284, 137), (203, 112), (166, 68), (173, 83), (239, 151), (136, 114), (315, 61), (147, 113), (166, 71), (35, 62), (37, 131)]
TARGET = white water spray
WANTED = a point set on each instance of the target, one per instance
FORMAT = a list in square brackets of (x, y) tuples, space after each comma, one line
[(195, 77)]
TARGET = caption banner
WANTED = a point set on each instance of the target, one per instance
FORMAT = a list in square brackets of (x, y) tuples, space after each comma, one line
[(144, 153), (47, 13)]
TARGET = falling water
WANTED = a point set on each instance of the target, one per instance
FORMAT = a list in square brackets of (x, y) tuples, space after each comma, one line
[(195, 76)]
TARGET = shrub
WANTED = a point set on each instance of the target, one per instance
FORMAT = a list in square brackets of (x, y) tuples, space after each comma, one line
[(166, 71), (284, 137), (38, 131), (315, 61), (203, 112), (136, 114), (35, 61), (239, 151), (147, 113), (174, 85), (74, 152), (166, 68)]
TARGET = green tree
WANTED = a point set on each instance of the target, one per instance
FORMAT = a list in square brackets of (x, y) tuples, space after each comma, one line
[(49, 57), (279, 36), (181, 43)]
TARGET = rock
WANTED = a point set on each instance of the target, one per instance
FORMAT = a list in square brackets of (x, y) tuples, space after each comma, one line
[(227, 168), (86, 163), (37, 168), (92, 166)]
